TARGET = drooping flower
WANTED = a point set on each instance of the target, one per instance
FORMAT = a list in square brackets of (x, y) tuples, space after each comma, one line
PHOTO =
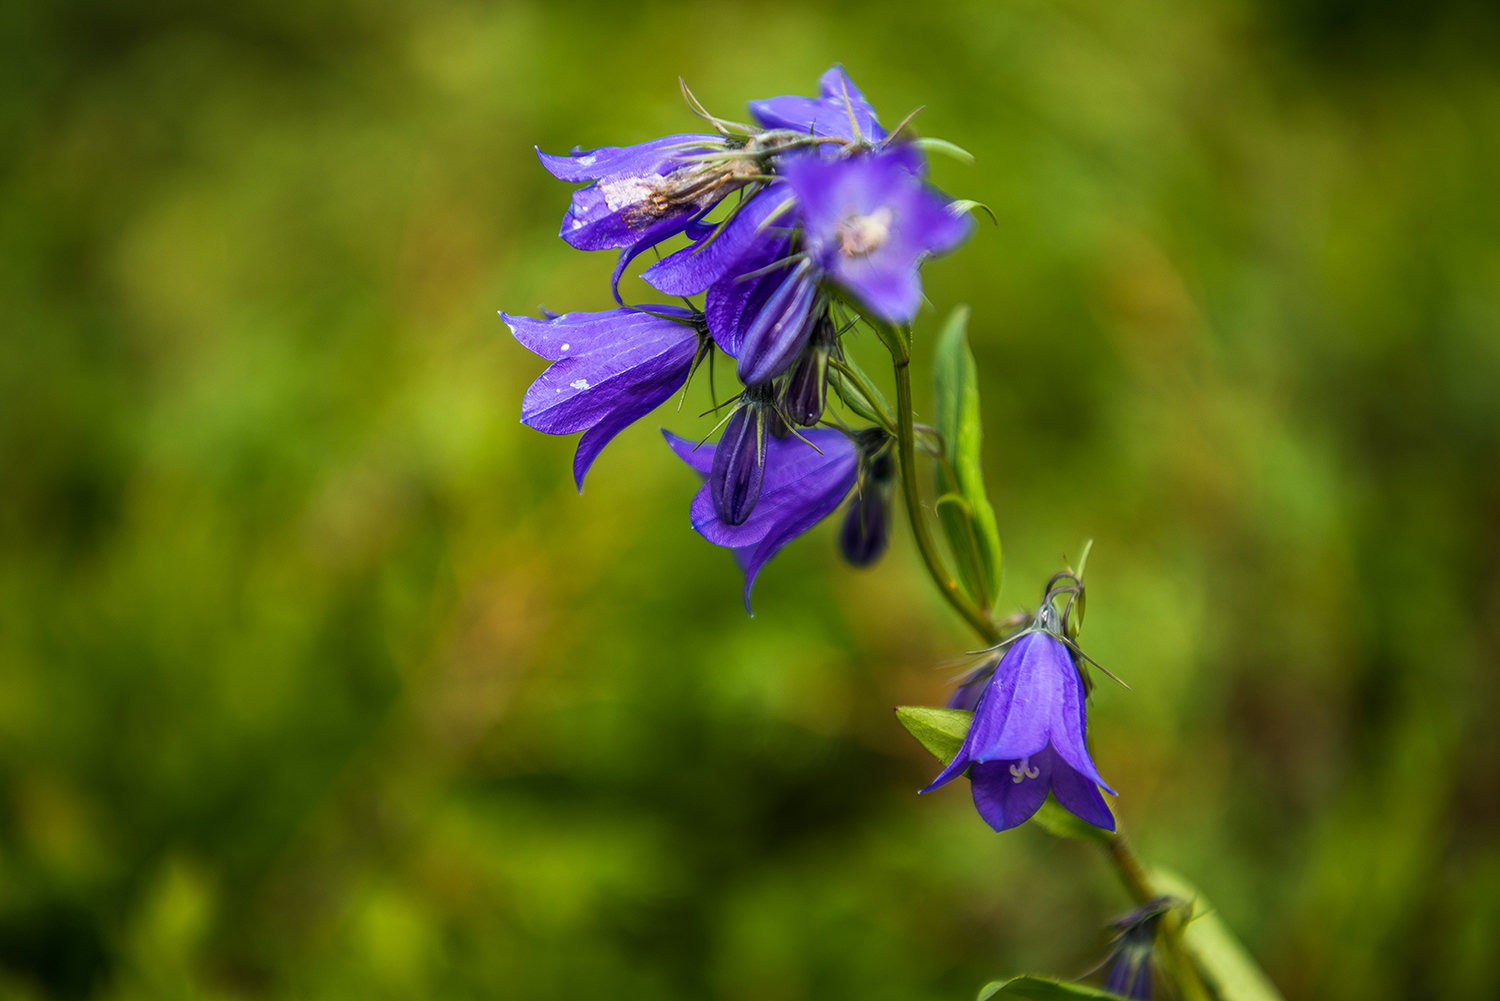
[(838, 110), (641, 195), (804, 481), (870, 220), (806, 391), (1028, 737), (609, 370)]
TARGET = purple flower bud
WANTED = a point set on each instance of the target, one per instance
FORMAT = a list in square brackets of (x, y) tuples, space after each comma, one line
[(866, 528), (1028, 738), (779, 332), (863, 538), (807, 390), (740, 459)]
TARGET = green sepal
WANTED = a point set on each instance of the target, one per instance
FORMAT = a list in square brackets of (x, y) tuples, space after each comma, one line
[(945, 147), (961, 205), (959, 424), (1227, 969), (1059, 823), (941, 731), (874, 407), (1041, 989)]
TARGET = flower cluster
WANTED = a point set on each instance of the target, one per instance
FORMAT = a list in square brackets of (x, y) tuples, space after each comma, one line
[(797, 228)]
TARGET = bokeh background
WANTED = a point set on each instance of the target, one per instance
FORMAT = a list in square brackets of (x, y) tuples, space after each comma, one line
[(319, 680)]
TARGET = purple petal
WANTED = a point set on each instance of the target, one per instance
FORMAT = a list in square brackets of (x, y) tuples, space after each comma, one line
[(870, 221), (1013, 718), (1001, 800), (1077, 794), (1068, 722), (826, 115), (700, 457), (734, 301), (780, 330), (644, 360), (693, 269), (659, 156), (571, 334)]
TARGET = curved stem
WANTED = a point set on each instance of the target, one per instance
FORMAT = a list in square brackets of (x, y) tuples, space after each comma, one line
[(906, 445)]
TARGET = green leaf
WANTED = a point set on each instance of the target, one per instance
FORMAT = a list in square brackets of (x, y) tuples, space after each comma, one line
[(1041, 989), (957, 518), (961, 205), (958, 153), (1061, 824), (959, 424), (941, 731), (1225, 965)]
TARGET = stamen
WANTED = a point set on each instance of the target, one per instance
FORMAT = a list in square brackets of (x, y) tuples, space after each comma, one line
[(860, 235), (1024, 770)]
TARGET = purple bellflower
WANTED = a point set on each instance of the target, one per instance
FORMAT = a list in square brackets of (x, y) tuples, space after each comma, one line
[(641, 195), (1028, 737), (869, 221), (739, 463), (839, 110), (609, 370), (805, 479)]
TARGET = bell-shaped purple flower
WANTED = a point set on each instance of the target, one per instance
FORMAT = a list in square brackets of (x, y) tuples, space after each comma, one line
[(806, 391), (1028, 738), (609, 370), (869, 221), (837, 111), (806, 478), (645, 193)]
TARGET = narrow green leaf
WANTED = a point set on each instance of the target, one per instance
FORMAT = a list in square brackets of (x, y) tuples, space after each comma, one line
[(961, 205), (1226, 966), (1041, 989), (943, 146), (957, 519), (941, 731), (959, 423), (855, 400)]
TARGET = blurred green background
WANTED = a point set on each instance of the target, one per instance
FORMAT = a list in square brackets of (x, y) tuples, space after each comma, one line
[(318, 679)]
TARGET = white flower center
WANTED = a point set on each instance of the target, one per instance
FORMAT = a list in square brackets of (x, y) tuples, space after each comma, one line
[(860, 235), (1024, 770)]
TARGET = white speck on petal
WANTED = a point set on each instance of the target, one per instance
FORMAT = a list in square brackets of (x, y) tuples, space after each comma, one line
[(579, 384), (586, 161), (577, 223), (628, 191), (566, 346)]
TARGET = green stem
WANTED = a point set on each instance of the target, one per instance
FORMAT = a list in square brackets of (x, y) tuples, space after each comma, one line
[(907, 447)]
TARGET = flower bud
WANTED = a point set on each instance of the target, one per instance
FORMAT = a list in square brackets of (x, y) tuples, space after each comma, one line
[(807, 389), (866, 529), (740, 458)]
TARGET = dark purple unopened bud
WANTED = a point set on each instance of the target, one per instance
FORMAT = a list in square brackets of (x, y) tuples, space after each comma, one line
[(740, 458), (863, 537), (807, 389)]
